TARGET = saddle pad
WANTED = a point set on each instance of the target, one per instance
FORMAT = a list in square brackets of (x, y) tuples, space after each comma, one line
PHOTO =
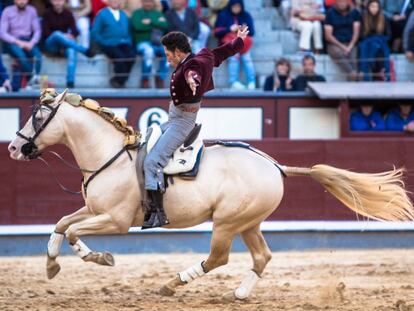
[(183, 159)]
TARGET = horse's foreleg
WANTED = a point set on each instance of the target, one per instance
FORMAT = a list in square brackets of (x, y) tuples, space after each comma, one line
[(261, 255), (101, 224), (56, 238), (219, 255)]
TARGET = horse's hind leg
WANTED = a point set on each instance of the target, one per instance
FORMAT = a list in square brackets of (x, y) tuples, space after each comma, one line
[(57, 237), (261, 255), (219, 255), (101, 224)]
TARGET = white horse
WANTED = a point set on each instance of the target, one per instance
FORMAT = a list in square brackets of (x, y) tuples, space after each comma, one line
[(236, 188)]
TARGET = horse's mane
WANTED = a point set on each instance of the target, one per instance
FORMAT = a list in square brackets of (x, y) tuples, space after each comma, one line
[(132, 136)]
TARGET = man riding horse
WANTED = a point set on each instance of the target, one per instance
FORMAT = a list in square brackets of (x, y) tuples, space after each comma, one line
[(190, 80)]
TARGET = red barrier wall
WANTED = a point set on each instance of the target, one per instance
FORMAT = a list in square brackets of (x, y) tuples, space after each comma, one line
[(29, 195)]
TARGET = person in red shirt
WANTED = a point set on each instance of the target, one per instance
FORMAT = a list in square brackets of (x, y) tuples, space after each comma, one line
[(190, 80)]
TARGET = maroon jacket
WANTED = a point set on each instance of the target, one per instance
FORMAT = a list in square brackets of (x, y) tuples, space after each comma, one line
[(200, 67)]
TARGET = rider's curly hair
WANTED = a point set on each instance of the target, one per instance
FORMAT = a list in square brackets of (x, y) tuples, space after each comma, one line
[(176, 40)]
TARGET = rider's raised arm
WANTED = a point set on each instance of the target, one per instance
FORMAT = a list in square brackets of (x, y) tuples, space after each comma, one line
[(231, 48), (227, 50)]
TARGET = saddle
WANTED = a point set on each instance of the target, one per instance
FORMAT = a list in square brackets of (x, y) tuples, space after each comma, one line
[(185, 161)]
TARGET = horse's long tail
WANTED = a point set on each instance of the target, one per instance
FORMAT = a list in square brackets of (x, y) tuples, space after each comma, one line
[(380, 196)]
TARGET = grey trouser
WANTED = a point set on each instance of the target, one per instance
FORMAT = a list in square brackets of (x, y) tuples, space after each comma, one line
[(348, 63), (175, 130)]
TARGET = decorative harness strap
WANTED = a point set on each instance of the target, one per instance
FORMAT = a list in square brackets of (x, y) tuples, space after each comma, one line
[(107, 164)]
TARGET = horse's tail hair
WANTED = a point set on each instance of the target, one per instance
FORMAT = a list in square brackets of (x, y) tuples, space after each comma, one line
[(380, 196)]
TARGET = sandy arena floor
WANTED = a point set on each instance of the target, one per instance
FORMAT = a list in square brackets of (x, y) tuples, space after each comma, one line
[(321, 280)]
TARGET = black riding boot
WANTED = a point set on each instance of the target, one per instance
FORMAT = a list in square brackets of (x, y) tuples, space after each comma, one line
[(155, 217)]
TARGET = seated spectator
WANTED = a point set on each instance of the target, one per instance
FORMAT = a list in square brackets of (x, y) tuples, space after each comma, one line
[(181, 18), (307, 17), (111, 31), (20, 31), (397, 12), (374, 53), (59, 34), (408, 38), (81, 10), (148, 25), (281, 80), (366, 119), (225, 30), (342, 30), (401, 119), (308, 75)]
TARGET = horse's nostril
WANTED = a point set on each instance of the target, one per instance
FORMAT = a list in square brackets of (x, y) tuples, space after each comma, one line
[(13, 148)]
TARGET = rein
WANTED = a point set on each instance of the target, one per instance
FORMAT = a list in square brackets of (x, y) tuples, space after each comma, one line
[(83, 170), (56, 179)]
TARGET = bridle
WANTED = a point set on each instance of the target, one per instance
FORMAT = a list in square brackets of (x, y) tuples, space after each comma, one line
[(29, 149)]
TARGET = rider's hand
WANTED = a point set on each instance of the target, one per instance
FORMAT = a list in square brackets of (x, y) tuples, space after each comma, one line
[(192, 84), (243, 31)]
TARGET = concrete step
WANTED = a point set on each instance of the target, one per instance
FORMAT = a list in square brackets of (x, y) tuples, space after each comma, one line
[(263, 25), (289, 40), (267, 50), (267, 36), (263, 13), (251, 5), (403, 68)]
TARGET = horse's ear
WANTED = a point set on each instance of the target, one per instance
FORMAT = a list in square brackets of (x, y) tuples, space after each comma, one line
[(61, 97)]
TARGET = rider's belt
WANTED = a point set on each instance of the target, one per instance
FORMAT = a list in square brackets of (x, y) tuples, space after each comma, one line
[(190, 107)]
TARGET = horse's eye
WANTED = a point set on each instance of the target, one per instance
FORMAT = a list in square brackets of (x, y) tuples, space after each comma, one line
[(38, 119)]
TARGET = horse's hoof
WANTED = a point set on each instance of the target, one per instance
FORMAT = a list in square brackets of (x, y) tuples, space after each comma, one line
[(52, 268), (104, 259), (229, 297), (108, 259), (166, 291)]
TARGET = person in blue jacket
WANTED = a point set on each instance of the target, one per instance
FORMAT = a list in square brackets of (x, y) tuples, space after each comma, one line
[(401, 119), (366, 119), (225, 30)]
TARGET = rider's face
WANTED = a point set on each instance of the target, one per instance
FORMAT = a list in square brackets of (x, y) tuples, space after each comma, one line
[(172, 57)]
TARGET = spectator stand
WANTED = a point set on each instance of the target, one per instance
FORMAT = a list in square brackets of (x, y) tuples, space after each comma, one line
[(272, 40), (349, 95)]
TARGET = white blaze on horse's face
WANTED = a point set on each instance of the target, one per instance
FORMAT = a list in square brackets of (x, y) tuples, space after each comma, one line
[(50, 135)]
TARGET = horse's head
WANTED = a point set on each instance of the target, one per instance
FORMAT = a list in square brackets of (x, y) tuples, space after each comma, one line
[(41, 130)]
